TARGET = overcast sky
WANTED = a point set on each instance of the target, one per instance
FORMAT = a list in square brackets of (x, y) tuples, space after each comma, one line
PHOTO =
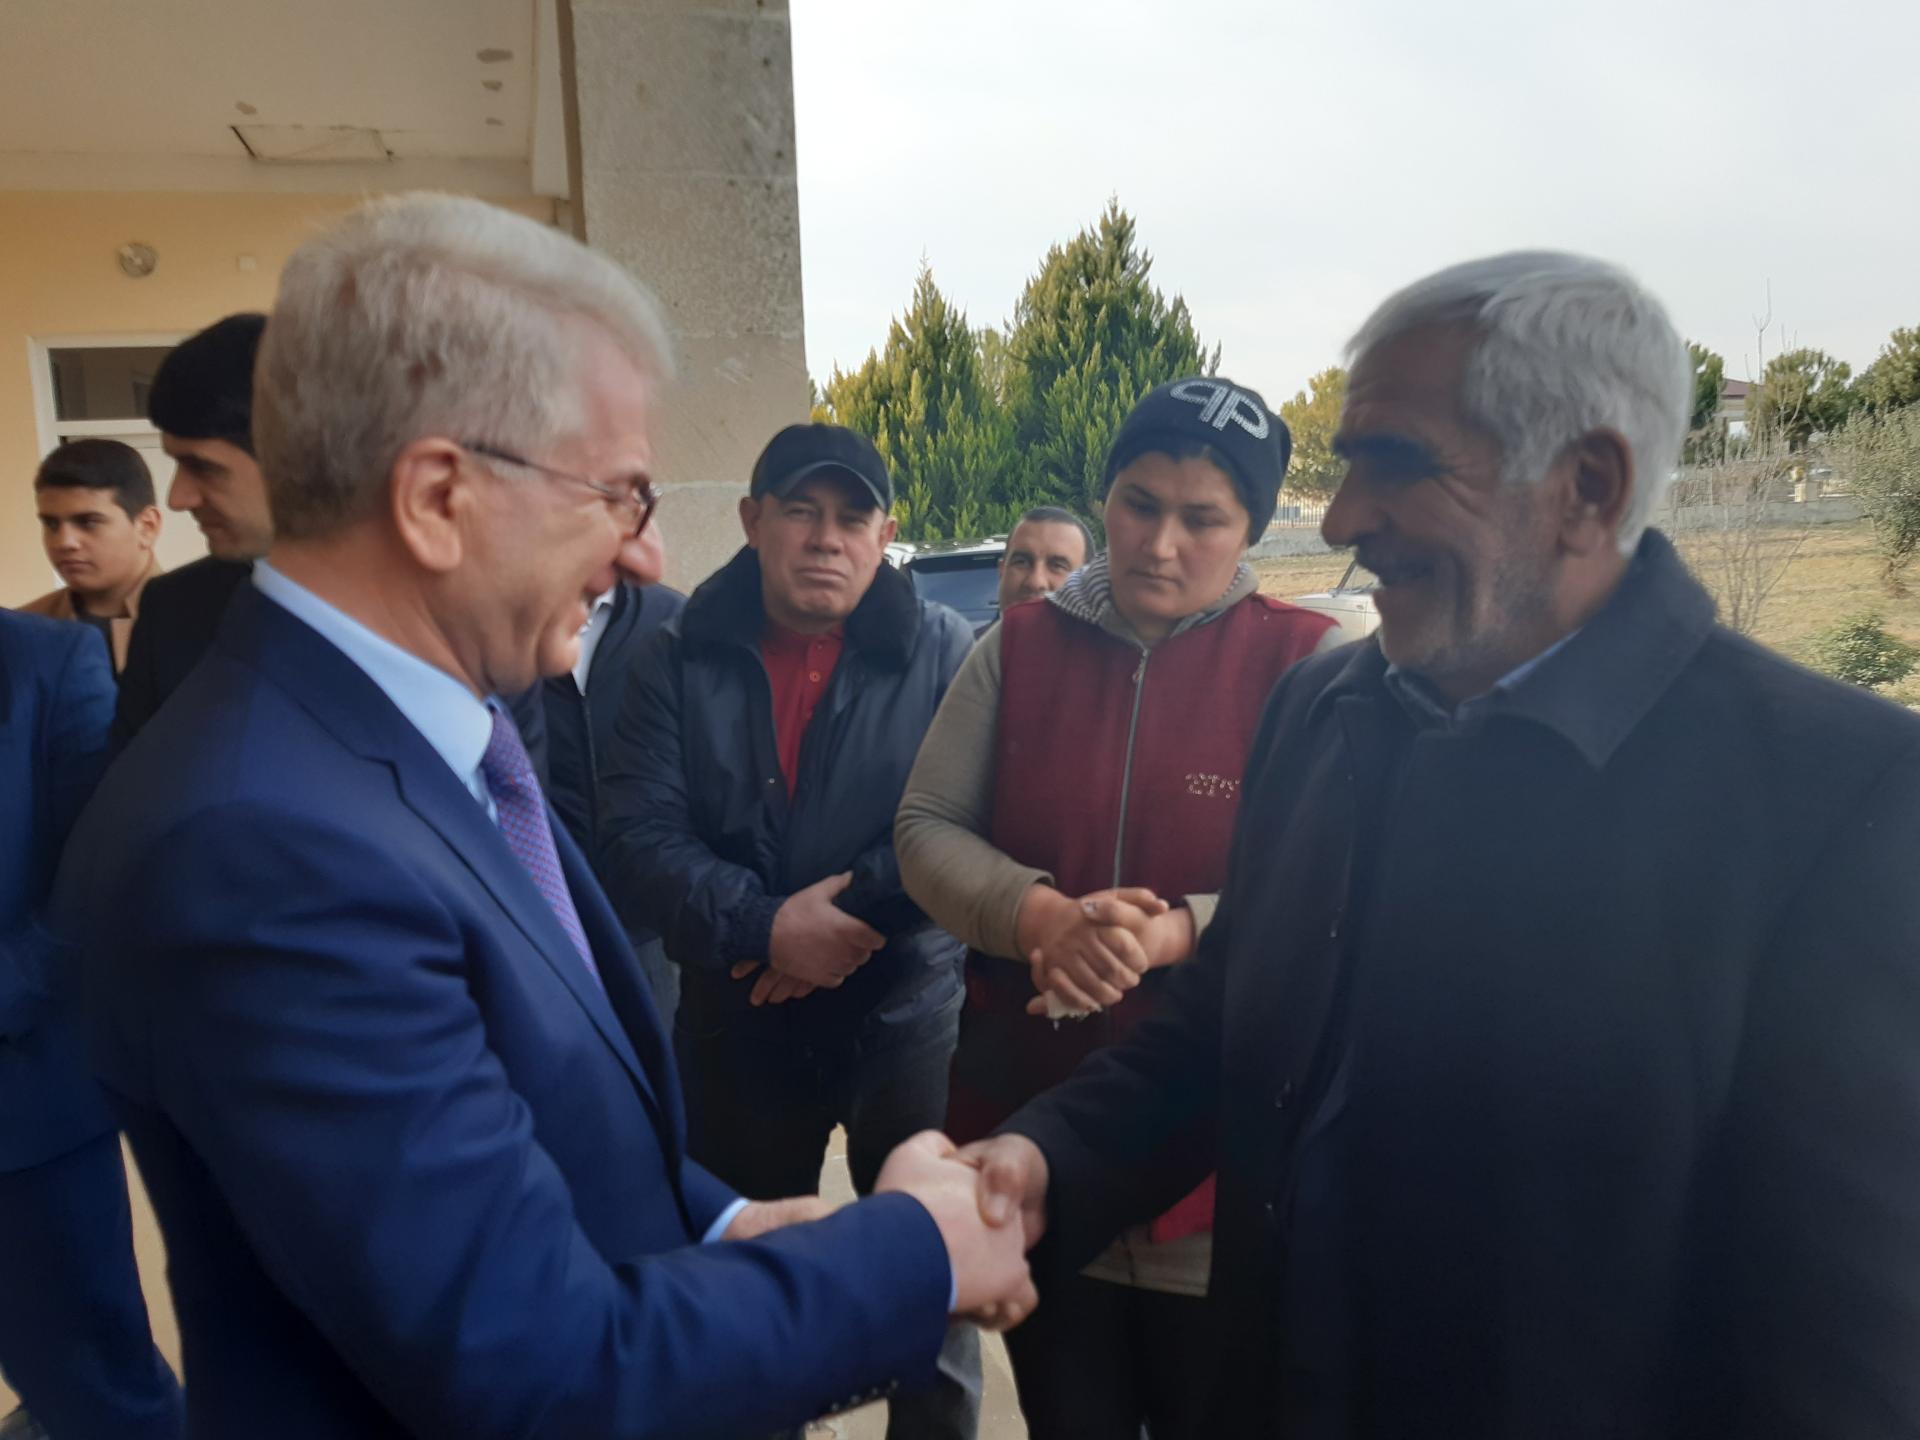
[(1290, 162)]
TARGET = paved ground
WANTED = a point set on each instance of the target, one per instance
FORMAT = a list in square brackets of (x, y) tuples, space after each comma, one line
[(1000, 1414)]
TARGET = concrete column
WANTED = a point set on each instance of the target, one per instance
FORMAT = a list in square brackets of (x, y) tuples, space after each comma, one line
[(680, 123)]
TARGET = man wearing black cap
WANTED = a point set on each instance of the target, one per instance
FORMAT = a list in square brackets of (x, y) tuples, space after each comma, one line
[(202, 402), (749, 792)]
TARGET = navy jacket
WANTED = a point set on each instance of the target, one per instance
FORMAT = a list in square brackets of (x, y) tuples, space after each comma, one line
[(1564, 1063), (179, 616), (699, 839), (418, 1173), (56, 704)]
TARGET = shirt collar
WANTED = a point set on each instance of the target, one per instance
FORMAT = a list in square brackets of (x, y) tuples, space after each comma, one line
[(1603, 678), (455, 721), (777, 639), (1429, 707)]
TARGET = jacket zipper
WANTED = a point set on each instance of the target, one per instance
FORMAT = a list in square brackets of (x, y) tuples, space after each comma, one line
[(1126, 1239), (1126, 769), (776, 782)]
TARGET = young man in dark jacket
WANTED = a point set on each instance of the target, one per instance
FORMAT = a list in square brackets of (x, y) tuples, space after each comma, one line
[(202, 402), (747, 816)]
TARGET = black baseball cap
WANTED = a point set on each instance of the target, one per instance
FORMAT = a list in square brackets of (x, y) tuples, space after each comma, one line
[(1232, 420), (800, 452)]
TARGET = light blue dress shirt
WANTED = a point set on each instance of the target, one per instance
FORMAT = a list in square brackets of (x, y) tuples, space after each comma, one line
[(452, 719)]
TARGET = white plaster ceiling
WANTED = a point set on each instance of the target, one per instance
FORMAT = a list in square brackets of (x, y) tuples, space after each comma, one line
[(174, 77)]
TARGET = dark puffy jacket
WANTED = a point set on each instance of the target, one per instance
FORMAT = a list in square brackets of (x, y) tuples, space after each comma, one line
[(699, 840)]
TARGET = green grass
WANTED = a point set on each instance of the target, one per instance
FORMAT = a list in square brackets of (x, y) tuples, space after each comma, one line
[(1836, 573)]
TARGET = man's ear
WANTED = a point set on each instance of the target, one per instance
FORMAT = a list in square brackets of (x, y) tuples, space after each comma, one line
[(147, 525), (750, 520), (1599, 490), (889, 528), (431, 491)]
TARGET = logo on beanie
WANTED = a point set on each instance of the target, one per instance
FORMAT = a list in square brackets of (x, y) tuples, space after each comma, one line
[(1222, 404)]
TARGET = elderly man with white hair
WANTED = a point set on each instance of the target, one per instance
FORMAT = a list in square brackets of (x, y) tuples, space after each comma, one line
[(389, 1067), (1560, 1022)]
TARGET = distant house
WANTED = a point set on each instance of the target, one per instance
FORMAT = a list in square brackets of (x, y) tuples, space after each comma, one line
[(1735, 397)]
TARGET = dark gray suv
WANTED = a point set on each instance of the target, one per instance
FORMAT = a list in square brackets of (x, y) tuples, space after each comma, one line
[(964, 575)]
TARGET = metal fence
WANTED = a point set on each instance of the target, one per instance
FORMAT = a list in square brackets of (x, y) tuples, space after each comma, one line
[(1298, 515)]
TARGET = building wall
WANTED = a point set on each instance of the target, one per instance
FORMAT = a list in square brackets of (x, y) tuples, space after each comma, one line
[(60, 275), (686, 176)]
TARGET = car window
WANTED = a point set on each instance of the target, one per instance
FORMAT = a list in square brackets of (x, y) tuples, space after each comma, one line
[(968, 583)]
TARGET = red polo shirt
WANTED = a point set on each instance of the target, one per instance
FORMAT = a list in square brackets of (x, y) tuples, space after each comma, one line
[(798, 668)]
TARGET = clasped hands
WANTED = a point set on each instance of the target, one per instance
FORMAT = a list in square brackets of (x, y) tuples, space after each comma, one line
[(988, 1201), (815, 945), (1088, 953)]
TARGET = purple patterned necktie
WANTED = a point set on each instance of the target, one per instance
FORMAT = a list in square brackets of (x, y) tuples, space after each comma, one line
[(522, 813)]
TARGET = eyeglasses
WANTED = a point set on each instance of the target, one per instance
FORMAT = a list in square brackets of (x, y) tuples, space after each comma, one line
[(638, 494)]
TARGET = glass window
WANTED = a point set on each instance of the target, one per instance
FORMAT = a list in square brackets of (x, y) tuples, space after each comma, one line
[(108, 382)]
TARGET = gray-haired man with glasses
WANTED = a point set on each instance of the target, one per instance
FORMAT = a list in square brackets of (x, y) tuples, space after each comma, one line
[(394, 1078)]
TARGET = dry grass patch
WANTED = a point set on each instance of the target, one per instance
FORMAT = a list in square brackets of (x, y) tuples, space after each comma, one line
[(1284, 576), (1836, 574)]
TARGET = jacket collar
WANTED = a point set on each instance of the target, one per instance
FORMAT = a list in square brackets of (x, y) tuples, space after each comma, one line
[(154, 567), (626, 606), (1597, 687), (727, 610), (61, 605), (1087, 595)]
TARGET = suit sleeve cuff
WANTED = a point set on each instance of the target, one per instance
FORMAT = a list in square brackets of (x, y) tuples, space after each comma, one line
[(721, 1221), (706, 1196), (726, 1217)]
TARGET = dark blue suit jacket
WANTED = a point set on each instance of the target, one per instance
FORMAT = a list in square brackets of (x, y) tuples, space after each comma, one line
[(418, 1173), (56, 706)]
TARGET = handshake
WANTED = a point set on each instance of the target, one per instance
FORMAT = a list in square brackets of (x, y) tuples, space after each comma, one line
[(988, 1200)]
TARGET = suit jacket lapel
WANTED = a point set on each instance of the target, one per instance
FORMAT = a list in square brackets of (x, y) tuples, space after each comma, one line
[(627, 991), (344, 699), (439, 798)]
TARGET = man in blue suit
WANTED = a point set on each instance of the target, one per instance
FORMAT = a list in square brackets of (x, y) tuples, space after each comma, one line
[(74, 1341), (391, 1070)]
